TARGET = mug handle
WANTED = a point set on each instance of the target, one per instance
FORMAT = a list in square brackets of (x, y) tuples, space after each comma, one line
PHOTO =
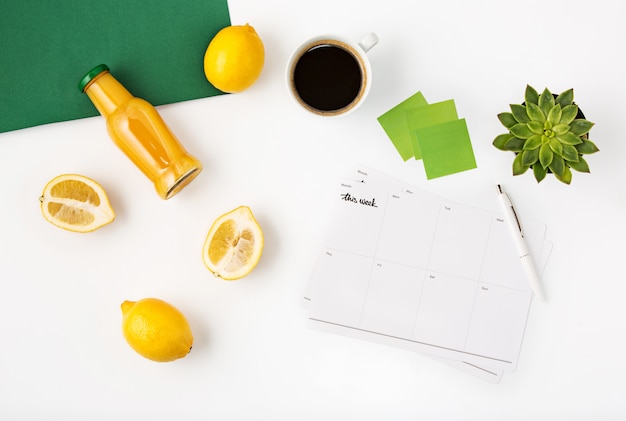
[(368, 41)]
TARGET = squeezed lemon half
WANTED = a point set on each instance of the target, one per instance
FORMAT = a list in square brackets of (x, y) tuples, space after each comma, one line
[(233, 245), (76, 203)]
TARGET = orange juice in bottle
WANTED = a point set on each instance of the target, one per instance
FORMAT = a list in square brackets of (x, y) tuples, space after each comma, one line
[(140, 132)]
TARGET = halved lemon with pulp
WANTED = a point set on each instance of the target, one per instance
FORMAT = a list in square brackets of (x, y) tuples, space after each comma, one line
[(233, 245), (76, 203)]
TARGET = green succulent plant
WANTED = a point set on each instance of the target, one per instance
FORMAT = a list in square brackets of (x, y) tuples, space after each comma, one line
[(548, 133)]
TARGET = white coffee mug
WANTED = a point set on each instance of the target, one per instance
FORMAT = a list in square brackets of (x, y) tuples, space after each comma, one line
[(330, 75)]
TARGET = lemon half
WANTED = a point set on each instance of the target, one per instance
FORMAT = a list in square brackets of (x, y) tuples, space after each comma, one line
[(76, 203), (233, 245)]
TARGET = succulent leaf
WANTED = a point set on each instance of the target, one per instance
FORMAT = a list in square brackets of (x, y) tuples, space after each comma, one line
[(533, 142), (570, 153), (535, 113), (529, 157), (556, 146), (586, 147), (515, 144), (508, 120), (565, 98), (554, 116), (580, 126), (580, 166), (546, 101), (501, 140), (539, 172), (519, 112), (521, 130), (560, 129), (545, 156), (518, 167), (557, 166), (566, 176), (536, 127), (569, 138), (568, 114), (531, 96)]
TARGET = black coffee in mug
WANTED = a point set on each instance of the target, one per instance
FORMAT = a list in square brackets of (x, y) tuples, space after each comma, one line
[(329, 77)]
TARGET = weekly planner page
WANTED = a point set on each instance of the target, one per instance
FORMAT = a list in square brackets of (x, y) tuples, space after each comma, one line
[(408, 268)]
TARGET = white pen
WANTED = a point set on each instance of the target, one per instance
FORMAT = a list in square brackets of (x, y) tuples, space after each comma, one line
[(520, 240)]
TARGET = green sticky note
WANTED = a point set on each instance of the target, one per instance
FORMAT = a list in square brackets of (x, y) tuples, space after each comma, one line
[(432, 114), (155, 48), (395, 124), (446, 148)]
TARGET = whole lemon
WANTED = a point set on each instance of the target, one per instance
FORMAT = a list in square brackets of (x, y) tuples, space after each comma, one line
[(156, 329), (234, 58)]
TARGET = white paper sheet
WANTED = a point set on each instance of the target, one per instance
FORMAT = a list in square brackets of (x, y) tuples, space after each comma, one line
[(408, 268)]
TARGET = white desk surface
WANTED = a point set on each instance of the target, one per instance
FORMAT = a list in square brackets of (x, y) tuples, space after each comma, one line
[(254, 358)]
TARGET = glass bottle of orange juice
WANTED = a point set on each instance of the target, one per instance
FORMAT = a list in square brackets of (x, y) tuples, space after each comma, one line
[(140, 132)]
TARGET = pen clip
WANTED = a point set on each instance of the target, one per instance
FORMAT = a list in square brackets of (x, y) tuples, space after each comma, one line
[(517, 221), (510, 204)]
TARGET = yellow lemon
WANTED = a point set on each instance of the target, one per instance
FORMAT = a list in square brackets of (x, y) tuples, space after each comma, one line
[(76, 203), (234, 58), (156, 329), (233, 245)]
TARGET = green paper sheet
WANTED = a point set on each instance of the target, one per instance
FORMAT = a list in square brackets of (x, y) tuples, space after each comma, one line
[(155, 48), (446, 148), (394, 123), (428, 115)]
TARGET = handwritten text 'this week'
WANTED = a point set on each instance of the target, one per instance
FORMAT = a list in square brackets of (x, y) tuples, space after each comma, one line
[(347, 197)]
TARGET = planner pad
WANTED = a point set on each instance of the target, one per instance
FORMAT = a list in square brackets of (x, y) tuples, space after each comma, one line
[(408, 268)]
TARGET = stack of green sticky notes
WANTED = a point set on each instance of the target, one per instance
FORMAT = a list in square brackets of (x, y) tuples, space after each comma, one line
[(430, 132)]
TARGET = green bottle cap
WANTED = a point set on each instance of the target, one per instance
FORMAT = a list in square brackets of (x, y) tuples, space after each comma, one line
[(91, 74)]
